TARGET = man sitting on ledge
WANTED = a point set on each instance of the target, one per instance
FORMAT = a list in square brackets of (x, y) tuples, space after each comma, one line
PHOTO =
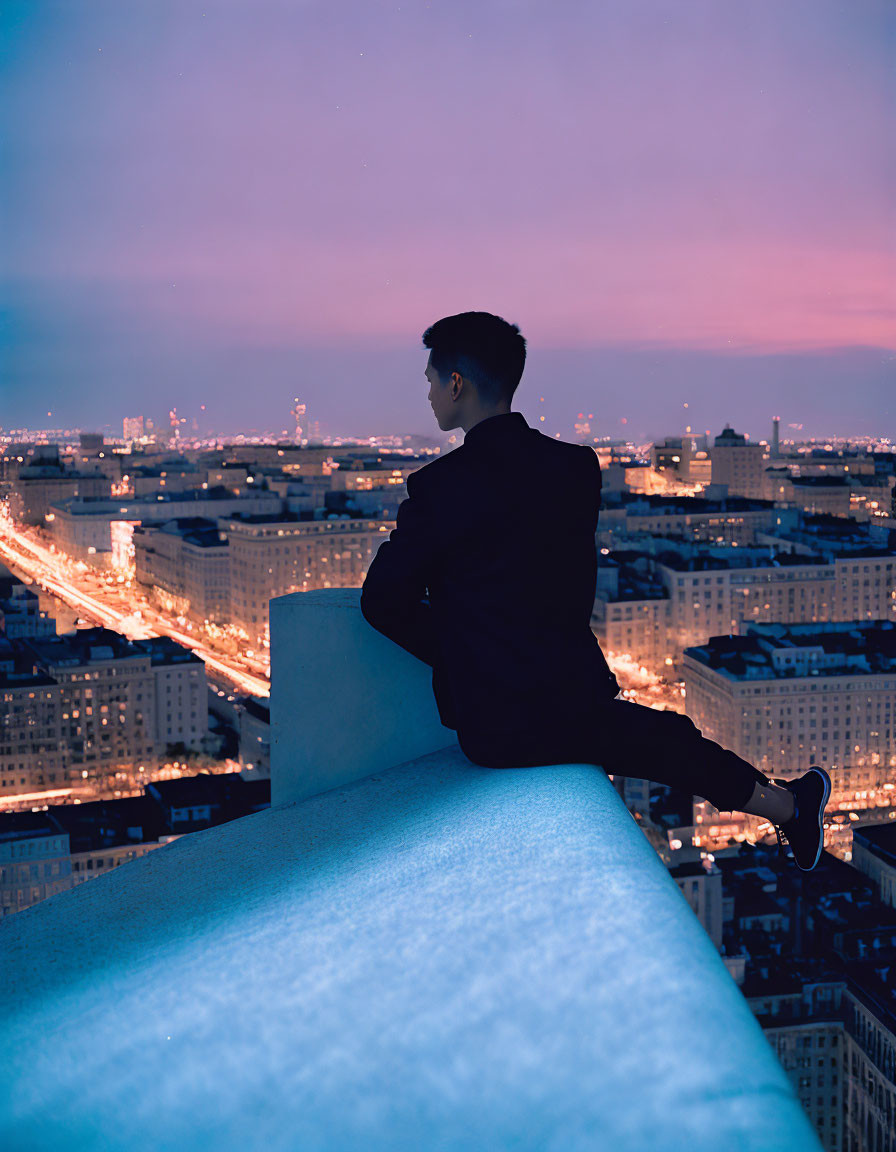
[(500, 533)]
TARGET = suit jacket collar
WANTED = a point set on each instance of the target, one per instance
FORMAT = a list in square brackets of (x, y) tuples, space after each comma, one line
[(493, 426)]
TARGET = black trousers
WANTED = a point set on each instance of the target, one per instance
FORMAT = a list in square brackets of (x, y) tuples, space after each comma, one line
[(628, 739)]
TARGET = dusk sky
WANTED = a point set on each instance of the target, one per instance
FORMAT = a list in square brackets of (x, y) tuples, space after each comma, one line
[(231, 204)]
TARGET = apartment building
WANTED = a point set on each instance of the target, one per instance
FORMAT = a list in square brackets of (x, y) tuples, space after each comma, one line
[(738, 464), (874, 854), (31, 748), (818, 495), (631, 613), (181, 694), (20, 611), (274, 555), (184, 568), (731, 520), (107, 698), (84, 530), (785, 697), (34, 860), (652, 607), (81, 705)]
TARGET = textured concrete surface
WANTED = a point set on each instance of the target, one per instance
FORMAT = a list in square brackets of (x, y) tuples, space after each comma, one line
[(436, 957), (345, 700)]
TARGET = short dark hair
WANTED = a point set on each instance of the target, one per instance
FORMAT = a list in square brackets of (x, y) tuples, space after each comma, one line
[(482, 348)]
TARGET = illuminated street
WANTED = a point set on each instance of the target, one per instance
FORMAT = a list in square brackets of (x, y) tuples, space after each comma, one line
[(116, 605)]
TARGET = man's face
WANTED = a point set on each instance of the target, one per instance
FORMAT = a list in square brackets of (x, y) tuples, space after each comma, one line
[(445, 410)]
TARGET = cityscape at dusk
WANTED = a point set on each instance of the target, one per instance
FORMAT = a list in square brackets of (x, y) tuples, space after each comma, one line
[(244, 858)]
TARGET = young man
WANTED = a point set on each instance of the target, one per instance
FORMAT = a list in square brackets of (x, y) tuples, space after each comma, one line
[(500, 533)]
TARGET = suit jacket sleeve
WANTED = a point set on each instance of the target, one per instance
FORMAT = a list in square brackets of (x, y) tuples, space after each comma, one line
[(394, 593)]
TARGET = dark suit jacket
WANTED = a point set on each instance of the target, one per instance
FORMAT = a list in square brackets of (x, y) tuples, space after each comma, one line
[(501, 533)]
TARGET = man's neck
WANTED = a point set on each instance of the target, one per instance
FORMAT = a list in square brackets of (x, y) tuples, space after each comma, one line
[(486, 416)]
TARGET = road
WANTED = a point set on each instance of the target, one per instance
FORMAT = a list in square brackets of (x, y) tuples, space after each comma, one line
[(119, 606)]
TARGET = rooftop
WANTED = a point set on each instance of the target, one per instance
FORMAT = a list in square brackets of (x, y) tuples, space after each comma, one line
[(131, 506), (741, 558), (86, 645), (399, 954), (879, 839), (836, 648), (647, 503), (17, 826)]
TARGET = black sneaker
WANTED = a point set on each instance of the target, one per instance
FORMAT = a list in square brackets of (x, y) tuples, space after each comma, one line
[(804, 831)]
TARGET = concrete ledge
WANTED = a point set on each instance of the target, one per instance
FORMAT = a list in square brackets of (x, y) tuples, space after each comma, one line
[(345, 700), (438, 956)]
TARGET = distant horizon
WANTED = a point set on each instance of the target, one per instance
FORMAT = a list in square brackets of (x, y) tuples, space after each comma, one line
[(840, 392)]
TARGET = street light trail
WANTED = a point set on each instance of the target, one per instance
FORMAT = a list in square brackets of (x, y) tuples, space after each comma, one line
[(43, 566)]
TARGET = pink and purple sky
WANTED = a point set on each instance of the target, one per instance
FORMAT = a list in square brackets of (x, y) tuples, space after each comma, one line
[(231, 204)]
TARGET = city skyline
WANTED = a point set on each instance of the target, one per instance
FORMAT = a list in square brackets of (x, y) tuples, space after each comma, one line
[(238, 206), (823, 407)]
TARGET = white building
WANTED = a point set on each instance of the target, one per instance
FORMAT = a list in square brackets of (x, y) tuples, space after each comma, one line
[(787, 697), (184, 566), (739, 464), (181, 694), (83, 530), (666, 606), (272, 556)]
